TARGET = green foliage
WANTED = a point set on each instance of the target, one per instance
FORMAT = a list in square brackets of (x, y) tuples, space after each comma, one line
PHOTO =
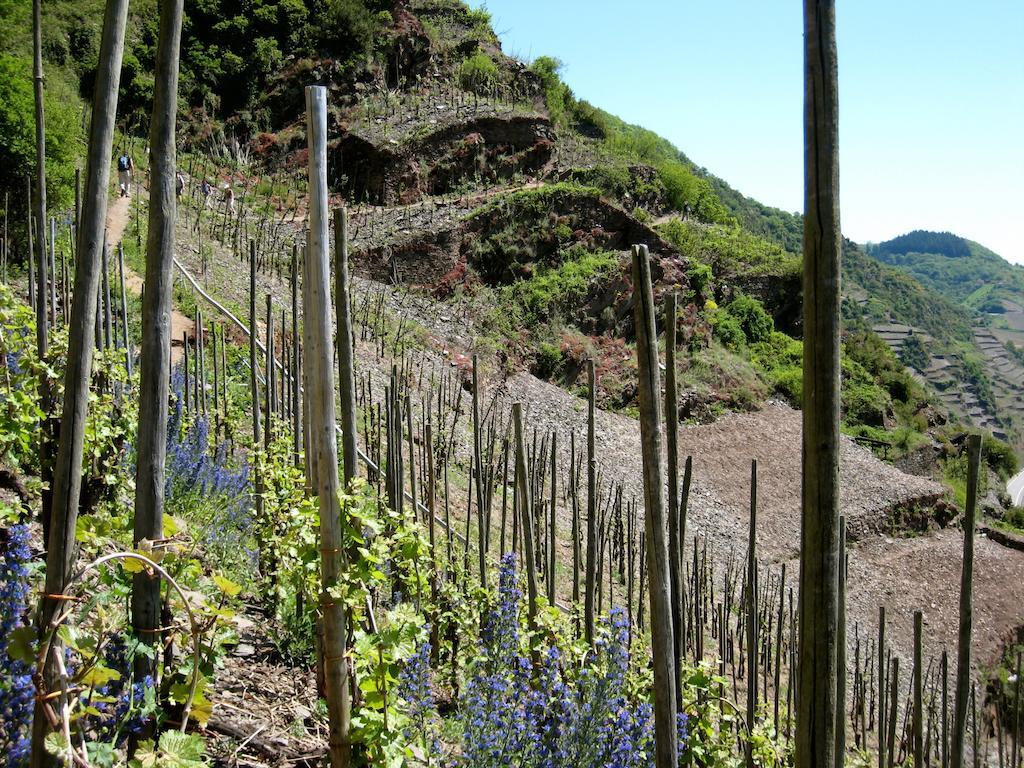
[(960, 270), (999, 456), (478, 73), (777, 226), (17, 131), (914, 353), (729, 250), (563, 107), (174, 750), (757, 325), (20, 412), (781, 359), (565, 286), (727, 329), (685, 189), (893, 295), (921, 241), (699, 276)]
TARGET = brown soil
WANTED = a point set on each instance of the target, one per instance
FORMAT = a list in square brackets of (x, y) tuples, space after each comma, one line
[(118, 214), (903, 572)]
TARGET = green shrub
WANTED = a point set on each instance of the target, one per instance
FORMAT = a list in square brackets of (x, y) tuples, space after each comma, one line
[(562, 287), (729, 250), (756, 323), (548, 360), (999, 456), (866, 404), (700, 276), (478, 72), (914, 353), (727, 329), (789, 382)]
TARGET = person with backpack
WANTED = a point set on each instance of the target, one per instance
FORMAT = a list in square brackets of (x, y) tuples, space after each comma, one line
[(125, 166), (179, 184)]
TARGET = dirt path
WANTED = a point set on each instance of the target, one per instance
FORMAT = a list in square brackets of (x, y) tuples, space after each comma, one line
[(118, 215)]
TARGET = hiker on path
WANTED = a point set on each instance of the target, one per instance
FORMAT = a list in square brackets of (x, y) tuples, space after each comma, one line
[(207, 193), (229, 197), (179, 184), (125, 166)]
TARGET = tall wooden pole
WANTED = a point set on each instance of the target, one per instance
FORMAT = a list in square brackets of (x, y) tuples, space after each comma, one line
[(124, 312), (62, 549), (662, 645), (346, 356), (751, 616), (155, 358), (676, 544), (841, 648), (478, 478), (525, 513), (320, 372), (819, 545), (40, 257), (963, 656), (590, 580)]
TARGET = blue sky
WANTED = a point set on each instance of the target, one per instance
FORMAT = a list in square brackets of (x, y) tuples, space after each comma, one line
[(931, 99)]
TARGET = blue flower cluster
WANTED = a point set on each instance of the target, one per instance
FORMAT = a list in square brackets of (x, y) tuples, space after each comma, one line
[(191, 470), (16, 688), (416, 689), (552, 716), (124, 705)]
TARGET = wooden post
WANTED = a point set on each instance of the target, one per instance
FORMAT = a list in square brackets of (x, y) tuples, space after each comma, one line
[(751, 616), (40, 257), (320, 372), (662, 644), (155, 359), (918, 719), (525, 513), (62, 548), (881, 686), (819, 542), (109, 339), (552, 532), (894, 697), (478, 478), (297, 364), (841, 649), (963, 657), (590, 581), (346, 356), (124, 312), (676, 546)]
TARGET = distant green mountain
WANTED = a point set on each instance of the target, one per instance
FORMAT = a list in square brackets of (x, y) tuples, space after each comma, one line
[(959, 269)]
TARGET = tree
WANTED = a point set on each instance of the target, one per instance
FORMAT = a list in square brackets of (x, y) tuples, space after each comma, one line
[(816, 720)]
